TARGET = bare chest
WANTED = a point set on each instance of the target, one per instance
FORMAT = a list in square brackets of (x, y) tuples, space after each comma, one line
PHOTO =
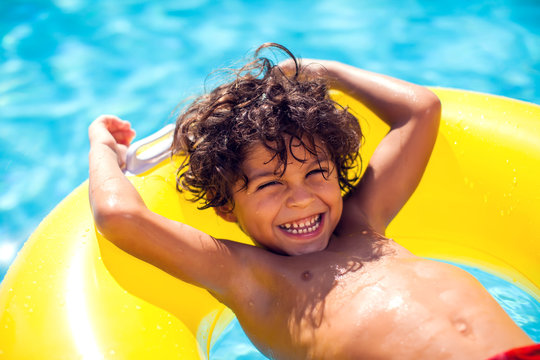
[(375, 309)]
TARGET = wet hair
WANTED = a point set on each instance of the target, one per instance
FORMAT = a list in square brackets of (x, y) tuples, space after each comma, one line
[(261, 105)]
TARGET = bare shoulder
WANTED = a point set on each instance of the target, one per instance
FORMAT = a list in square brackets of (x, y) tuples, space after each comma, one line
[(256, 275), (262, 292)]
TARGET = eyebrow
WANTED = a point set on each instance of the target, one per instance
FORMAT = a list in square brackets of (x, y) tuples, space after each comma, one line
[(266, 173), (260, 174)]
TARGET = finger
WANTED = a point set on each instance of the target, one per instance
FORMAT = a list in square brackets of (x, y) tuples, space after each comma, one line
[(114, 123), (132, 135), (125, 126), (124, 137), (107, 119)]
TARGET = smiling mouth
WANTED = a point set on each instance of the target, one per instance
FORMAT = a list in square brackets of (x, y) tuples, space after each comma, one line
[(304, 226)]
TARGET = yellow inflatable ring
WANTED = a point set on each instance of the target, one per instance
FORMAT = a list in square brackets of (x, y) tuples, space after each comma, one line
[(73, 295)]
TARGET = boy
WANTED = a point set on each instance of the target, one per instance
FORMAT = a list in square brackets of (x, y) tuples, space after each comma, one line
[(271, 152)]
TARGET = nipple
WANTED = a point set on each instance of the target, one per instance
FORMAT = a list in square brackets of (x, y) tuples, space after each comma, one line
[(306, 275)]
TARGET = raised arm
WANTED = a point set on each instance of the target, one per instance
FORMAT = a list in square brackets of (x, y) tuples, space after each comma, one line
[(122, 217), (396, 167)]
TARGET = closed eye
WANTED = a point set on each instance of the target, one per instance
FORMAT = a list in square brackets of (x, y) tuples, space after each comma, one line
[(322, 171), (267, 184)]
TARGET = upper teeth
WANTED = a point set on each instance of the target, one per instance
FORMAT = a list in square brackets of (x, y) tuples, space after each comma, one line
[(302, 226)]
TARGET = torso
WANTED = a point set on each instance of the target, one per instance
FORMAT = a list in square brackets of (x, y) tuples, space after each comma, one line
[(374, 301)]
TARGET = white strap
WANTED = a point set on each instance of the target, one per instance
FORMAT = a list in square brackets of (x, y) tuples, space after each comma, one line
[(157, 147)]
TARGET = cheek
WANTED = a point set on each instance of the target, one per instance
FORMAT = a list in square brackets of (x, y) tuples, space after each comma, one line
[(328, 188), (257, 215), (332, 196), (268, 205)]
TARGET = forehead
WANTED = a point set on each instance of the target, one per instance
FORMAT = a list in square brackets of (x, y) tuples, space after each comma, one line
[(258, 155)]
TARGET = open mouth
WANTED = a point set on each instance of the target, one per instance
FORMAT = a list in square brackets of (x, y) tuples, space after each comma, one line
[(304, 226)]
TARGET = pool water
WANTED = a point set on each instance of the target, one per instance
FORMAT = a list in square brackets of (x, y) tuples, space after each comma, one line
[(233, 344)]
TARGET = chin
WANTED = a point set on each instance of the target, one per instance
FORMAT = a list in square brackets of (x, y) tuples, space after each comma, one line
[(315, 248)]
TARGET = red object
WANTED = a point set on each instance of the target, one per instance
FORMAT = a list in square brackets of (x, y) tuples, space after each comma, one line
[(531, 352)]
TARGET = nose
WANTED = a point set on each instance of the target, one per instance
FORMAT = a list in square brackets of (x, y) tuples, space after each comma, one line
[(300, 197)]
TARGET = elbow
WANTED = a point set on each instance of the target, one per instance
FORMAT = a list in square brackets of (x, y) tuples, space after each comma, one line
[(430, 107), (114, 220), (419, 106)]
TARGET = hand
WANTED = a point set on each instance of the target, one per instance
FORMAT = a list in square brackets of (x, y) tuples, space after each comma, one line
[(113, 132)]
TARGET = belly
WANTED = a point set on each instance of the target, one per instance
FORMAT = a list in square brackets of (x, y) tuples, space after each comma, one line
[(409, 309)]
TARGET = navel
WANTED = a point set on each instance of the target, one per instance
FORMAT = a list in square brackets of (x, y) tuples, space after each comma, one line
[(462, 327)]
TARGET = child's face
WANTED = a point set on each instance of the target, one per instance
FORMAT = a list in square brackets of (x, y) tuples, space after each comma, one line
[(291, 213)]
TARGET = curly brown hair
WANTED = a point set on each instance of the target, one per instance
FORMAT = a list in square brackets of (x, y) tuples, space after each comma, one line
[(261, 105)]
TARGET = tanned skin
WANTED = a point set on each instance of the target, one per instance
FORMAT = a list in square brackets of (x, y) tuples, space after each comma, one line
[(337, 288)]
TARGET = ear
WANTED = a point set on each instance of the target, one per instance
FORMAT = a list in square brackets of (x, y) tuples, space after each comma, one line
[(226, 213)]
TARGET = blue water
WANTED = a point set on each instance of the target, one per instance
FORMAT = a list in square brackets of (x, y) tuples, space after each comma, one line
[(233, 344)]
